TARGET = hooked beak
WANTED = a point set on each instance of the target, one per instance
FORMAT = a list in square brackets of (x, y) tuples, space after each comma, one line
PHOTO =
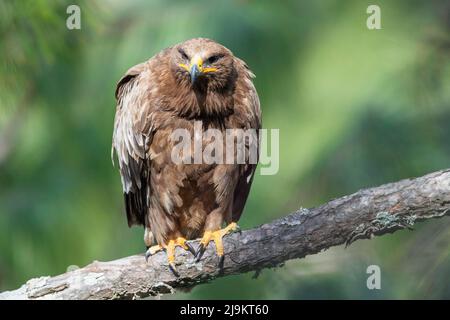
[(194, 72)]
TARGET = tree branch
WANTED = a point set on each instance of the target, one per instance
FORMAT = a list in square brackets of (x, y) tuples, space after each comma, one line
[(368, 212)]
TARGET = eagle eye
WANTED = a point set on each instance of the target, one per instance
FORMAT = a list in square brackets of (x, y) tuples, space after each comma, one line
[(213, 59), (183, 54)]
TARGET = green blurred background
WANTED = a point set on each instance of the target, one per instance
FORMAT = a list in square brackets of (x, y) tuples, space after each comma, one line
[(355, 108)]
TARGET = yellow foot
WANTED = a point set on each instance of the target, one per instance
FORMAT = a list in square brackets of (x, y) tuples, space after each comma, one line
[(170, 250), (216, 236)]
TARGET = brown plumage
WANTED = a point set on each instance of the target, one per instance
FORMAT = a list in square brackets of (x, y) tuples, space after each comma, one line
[(160, 95)]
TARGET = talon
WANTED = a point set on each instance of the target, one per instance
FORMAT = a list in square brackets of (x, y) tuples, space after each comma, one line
[(203, 244), (216, 236), (173, 269), (190, 248), (151, 251), (200, 251), (221, 260), (169, 247)]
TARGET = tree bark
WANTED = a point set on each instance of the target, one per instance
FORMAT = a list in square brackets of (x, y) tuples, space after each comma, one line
[(362, 215)]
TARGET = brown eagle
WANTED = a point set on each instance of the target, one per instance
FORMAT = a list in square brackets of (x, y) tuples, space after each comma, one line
[(197, 81)]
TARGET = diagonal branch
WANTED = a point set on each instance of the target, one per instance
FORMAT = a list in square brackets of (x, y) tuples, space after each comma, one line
[(368, 212)]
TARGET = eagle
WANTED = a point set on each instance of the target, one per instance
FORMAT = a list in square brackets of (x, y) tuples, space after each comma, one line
[(196, 82)]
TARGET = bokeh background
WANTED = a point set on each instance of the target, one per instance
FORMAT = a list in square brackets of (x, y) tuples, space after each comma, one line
[(355, 108)]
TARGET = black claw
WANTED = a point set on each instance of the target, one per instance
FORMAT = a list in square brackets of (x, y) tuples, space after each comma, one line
[(238, 229), (173, 269), (147, 255), (221, 260), (201, 250), (191, 249)]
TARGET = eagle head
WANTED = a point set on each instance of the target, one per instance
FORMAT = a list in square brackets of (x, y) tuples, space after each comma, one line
[(203, 64)]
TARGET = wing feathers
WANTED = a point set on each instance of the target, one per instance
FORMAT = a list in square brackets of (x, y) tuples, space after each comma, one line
[(129, 143)]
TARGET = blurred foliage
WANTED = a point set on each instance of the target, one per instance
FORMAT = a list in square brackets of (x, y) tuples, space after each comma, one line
[(355, 108)]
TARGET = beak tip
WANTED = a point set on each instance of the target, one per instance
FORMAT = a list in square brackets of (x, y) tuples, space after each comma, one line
[(194, 72)]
